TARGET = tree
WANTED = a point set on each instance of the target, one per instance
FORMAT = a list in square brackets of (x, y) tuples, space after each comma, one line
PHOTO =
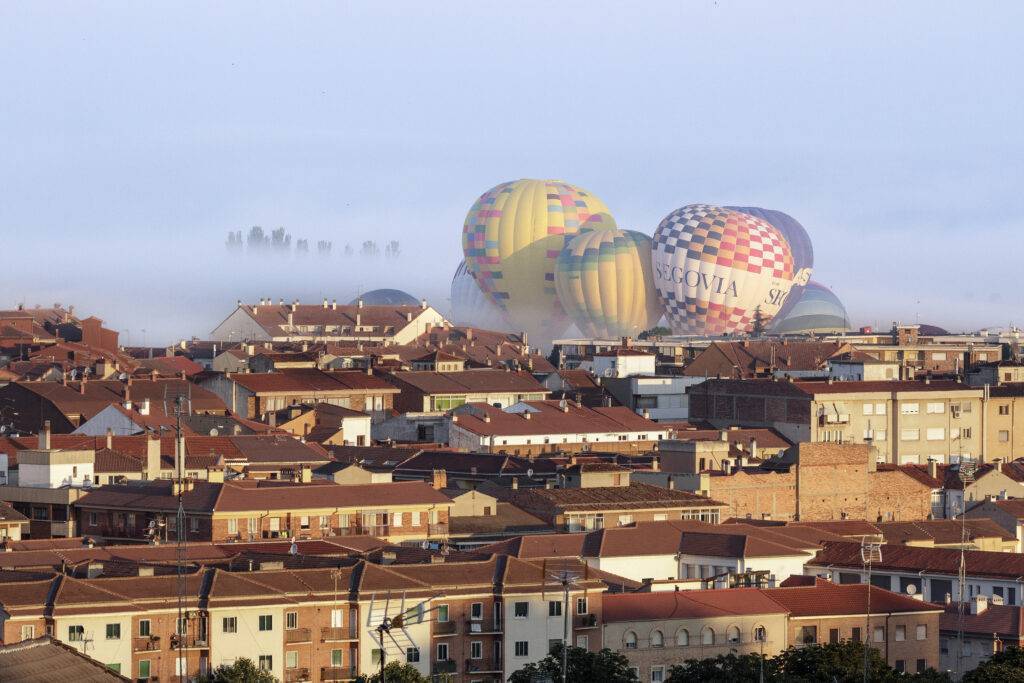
[(392, 249), (257, 240), (1002, 667), (323, 247), (757, 328), (395, 672), (242, 671), (280, 240), (235, 240), (657, 331), (583, 665), (724, 669), (301, 246), (369, 249)]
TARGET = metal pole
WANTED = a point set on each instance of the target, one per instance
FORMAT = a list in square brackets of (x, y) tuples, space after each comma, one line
[(867, 625), (565, 633)]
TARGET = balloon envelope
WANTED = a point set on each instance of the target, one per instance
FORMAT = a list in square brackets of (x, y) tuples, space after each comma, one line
[(511, 238), (470, 306), (605, 283), (386, 297), (815, 310), (714, 267)]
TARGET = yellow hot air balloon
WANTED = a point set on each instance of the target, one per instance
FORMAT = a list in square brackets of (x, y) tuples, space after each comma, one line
[(605, 282), (512, 237)]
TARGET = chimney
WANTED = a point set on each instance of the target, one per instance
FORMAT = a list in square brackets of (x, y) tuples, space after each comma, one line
[(526, 415), (423, 304), (647, 414), (408, 316), (671, 483), (81, 385), (726, 466), (440, 480), (215, 475), (152, 458), (325, 303), (359, 302), (305, 474), (515, 483), (979, 604), (144, 408), (291, 318), (44, 437), (295, 304), (487, 417), (933, 468), (334, 304), (110, 438), (753, 448), (723, 435), (359, 316), (998, 463), (655, 464)]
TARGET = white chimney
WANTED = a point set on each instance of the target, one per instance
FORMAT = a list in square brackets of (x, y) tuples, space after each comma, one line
[(325, 303), (753, 448), (44, 436), (334, 304), (110, 438), (144, 408), (979, 604)]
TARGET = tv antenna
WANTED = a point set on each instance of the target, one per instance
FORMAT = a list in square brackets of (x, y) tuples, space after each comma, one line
[(567, 579), (965, 471), (870, 553), (388, 619)]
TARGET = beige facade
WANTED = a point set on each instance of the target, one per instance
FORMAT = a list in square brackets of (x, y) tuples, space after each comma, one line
[(1004, 423)]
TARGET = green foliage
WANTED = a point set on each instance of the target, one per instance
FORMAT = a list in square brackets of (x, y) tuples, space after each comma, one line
[(1005, 667), (838, 662), (242, 671), (757, 330), (659, 331), (583, 665), (395, 672)]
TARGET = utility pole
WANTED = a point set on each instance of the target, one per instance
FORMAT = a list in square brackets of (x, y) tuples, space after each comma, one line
[(965, 471), (870, 552)]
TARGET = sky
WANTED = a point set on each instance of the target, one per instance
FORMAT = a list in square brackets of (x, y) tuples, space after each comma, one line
[(134, 136)]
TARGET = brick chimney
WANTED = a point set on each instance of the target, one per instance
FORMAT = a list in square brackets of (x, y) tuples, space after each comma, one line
[(933, 468), (44, 436), (152, 457), (110, 438), (440, 480)]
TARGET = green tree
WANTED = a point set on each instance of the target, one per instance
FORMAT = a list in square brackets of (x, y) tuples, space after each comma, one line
[(1005, 667), (395, 672), (659, 331), (757, 329), (583, 665), (242, 671), (724, 669)]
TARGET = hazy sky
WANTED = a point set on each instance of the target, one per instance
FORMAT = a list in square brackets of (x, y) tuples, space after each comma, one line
[(133, 136)]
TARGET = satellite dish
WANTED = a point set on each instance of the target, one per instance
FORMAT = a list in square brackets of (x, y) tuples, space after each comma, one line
[(294, 550), (529, 473), (3, 428), (911, 589), (214, 432)]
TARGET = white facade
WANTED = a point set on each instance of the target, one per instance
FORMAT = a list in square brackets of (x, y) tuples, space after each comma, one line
[(626, 365), (537, 629), (106, 638), (247, 639), (50, 469), (356, 430), (415, 633), (113, 419)]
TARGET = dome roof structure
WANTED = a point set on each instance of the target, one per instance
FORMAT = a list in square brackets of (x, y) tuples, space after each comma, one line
[(386, 297)]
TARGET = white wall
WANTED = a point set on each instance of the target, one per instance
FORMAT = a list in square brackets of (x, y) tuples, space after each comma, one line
[(248, 641), (353, 428), (638, 567), (55, 476), (537, 629), (623, 366), (238, 327), (414, 634), (95, 644)]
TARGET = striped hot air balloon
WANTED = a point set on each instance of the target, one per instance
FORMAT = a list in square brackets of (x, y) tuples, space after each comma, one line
[(511, 239), (470, 306), (605, 283), (714, 267)]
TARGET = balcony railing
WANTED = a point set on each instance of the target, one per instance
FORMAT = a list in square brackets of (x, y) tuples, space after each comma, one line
[(329, 633), (479, 626), (437, 529), (297, 635), (337, 673), (446, 628), (361, 530), (486, 665), (446, 667), (584, 621), (146, 643), (296, 675), (189, 642)]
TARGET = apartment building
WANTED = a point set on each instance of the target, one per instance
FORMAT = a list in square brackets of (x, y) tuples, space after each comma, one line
[(250, 509), (1004, 422), (907, 422), (425, 392)]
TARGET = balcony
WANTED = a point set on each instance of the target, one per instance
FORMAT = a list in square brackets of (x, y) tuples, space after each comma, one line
[(297, 635), (296, 675), (437, 530), (480, 627), (446, 667), (446, 628), (483, 666), (584, 621), (189, 642), (146, 644), (335, 633), (337, 673), (361, 531)]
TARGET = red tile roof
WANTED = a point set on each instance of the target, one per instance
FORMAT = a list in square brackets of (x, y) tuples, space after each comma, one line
[(470, 382), (693, 604), (547, 417), (828, 599), (915, 559)]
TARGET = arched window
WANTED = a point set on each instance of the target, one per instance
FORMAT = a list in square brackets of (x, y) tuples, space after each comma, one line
[(657, 639), (707, 636), (682, 637), (629, 640), (760, 634), (733, 634)]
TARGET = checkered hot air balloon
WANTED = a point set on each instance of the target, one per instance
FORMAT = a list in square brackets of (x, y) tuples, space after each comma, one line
[(511, 238), (470, 306), (605, 283), (713, 267)]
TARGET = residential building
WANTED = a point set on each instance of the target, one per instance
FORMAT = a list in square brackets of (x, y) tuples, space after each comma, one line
[(661, 397), (425, 392), (1004, 422), (988, 627), (752, 358), (621, 362), (45, 659)]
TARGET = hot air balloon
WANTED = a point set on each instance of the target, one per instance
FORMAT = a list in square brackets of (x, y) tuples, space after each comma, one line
[(799, 242), (605, 283), (386, 297), (470, 306), (815, 310), (511, 238), (713, 268)]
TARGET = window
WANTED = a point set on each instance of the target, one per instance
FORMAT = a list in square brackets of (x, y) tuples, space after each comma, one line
[(193, 524), (910, 409), (553, 644), (476, 650), (229, 625), (657, 674), (922, 631), (806, 635), (522, 648), (521, 610), (275, 523), (417, 520), (912, 434), (324, 522), (629, 640), (625, 520), (1004, 435), (476, 611), (266, 663), (965, 433), (144, 668), (304, 522), (442, 614), (707, 636), (935, 434), (935, 408), (76, 633), (657, 639), (115, 667), (879, 409), (921, 666), (113, 631), (266, 622), (291, 659), (1004, 409), (879, 434), (396, 519), (833, 635), (733, 634), (855, 634), (901, 666), (901, 633), (554, 608), (337, 658), (412, 654), (879, 634), (582, 642), (92, 519), (581, 605), (442, 652), (232, 526), (28, 632), (682, 638), (291, 620)]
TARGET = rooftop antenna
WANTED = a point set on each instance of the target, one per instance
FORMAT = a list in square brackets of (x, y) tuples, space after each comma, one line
[(179, 464), (966, 472), (870, 552), (391, 625), (566, 579)]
